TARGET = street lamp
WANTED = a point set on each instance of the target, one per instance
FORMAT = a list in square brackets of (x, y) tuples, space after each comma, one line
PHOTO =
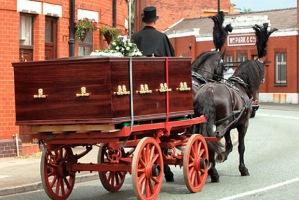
[(72, 29), (218, 6)]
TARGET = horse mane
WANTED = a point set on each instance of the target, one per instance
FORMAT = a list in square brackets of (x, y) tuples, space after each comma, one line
[(202, 58), (252, 73)]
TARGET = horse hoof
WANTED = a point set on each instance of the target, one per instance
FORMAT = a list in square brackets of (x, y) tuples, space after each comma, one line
[(215, 179), (169, 177), (244, 171), (221, 157)]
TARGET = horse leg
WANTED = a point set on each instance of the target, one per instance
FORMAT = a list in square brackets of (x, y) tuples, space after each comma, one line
[(241, 148), (213, 171), (228, 148), (168, 174)]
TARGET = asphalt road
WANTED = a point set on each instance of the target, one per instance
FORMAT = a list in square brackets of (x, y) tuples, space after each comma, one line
[(272, 149)]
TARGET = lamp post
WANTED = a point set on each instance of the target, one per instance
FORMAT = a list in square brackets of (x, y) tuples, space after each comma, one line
[(72, 29), (218, 6), (130, 18)]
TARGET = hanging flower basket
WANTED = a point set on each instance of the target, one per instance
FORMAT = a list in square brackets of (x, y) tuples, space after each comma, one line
[(109, 33), (83, 26)]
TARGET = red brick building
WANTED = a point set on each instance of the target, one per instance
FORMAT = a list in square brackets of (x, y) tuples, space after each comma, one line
[(38, 30), (191, 37), (170, 12)]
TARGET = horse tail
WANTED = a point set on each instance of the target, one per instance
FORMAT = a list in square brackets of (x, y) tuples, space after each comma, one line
[(209, 111), (205, 105)]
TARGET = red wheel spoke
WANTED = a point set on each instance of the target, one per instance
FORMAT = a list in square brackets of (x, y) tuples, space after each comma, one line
[(141, 179), (147, 156), (152, 153), (57, 186), (201, 153), (53, 182), (142, 162), (62, 188), (67, 183), (198, 177), (199, 147), (155, 159), (155, 179), (148, 190)]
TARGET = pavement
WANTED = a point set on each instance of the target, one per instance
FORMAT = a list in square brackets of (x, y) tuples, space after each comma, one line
[(19, 175), (22, 174)]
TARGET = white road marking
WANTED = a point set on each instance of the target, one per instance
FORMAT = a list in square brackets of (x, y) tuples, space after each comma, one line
[(270, 187), (278, 116), (3, 176)]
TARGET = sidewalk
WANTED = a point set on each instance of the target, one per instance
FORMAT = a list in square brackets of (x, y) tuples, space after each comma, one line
[(18, 175), (276, 106)]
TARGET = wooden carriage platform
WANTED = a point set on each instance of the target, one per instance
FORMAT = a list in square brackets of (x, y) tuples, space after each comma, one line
[(144, 104)]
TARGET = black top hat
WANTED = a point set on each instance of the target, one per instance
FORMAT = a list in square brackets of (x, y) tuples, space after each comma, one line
[(149, 14)]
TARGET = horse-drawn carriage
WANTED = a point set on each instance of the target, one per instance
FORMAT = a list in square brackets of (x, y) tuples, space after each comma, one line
[(143, 113), (137, 110)]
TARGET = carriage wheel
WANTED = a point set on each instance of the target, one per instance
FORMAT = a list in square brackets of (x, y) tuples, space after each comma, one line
[(147, 169), (195, 163), (57, 181), (112, 181)]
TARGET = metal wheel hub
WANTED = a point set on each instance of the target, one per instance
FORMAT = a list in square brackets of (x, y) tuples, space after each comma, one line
[(62, 169)]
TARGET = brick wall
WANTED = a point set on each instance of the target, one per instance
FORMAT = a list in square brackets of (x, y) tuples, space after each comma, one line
[(9, 46), (8, 148), (172, 11)]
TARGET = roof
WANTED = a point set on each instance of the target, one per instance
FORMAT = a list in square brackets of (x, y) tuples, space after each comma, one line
[(278, 18)]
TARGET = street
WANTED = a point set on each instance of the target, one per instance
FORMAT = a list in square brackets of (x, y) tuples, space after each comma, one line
[(271, 156)]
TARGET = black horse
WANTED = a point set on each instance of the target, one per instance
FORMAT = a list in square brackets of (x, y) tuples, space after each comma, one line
[(228, 106), (208, 66)]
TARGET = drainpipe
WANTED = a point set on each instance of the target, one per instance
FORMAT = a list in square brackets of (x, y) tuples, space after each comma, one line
[(114, 13), (72, 29)]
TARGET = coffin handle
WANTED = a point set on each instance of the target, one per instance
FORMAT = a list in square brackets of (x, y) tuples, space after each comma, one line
[(40, 94), (183, 87), (144, 89), (83, 93), (163, 88), (122, 90)]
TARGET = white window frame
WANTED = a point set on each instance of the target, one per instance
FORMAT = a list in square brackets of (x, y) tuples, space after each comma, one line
[(278, 66)]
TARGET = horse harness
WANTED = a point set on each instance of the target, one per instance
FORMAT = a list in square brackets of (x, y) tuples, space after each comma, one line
[(235, 115)]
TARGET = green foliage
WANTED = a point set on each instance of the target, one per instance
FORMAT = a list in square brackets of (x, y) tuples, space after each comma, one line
[(83, 26), (110, 33)]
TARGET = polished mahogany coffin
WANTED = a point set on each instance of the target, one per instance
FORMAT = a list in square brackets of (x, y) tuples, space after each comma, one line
[(102, 90)]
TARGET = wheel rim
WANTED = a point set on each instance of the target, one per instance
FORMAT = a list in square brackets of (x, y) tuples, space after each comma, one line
[(111, 181), (195, 163), (147, 169), (57, 181)]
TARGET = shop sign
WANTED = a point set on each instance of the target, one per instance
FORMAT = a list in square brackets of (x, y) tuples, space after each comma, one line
[(241, 40)]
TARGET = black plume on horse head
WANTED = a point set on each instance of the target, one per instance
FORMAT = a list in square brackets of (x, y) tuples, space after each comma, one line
[(262, 36), (219, 32)]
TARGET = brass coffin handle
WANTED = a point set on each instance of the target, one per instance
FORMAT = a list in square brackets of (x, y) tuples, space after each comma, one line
[(163, 88), (83, 93), (40, 94), (121, 90), (144, 89), (183, 87)]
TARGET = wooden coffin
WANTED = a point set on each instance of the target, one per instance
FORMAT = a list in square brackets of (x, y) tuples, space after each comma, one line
[(96, 90)]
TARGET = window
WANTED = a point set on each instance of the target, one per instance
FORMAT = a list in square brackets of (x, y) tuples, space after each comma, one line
[(229, 60), (280, 68), (26, 37), (85, 46), (242, 57)]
